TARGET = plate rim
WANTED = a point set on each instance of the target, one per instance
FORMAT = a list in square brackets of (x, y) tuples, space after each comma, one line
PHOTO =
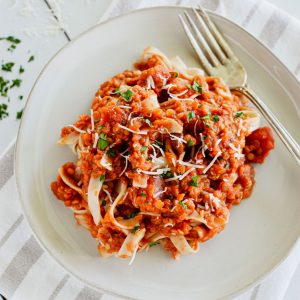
[(17, 158)]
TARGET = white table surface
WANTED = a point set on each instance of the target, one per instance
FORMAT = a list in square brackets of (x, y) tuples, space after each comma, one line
[(45, 39)]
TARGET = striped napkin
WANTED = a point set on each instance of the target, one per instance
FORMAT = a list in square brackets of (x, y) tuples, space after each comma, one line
[(27, 272)]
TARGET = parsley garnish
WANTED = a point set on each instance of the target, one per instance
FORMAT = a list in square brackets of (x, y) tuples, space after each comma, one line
[(174, 74), (143, 194), (239, 114), (158, 143), (117, 91), (191, 115), (19, 114), (195, 87), (153, 244), (190, 143), (20, 97), (7, 67), (16, 82), (132, 215), (135, 229), (147, 121), (133, 170), (31, 58), (111, 153), (200, 105), (102, 177), (227, 166), (11, 39), (206, 117), (21, 70), (182, 204), (171, 197), (3, 111), (103, 202), (127, 95), (143, 149), (3, 86), (216, 118), (167, 174), (100, 127), (102, 142), (194, 181)]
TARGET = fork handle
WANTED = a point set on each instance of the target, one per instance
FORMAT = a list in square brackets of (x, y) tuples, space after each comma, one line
[(290, 143)]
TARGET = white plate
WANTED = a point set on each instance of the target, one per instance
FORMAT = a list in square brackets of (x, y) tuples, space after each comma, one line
[(261, 231)]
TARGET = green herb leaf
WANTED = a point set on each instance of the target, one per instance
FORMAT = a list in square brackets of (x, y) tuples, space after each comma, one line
[(3, 111), (190, 143), (16, 83), (182, 204), (31, 58), (158, 143), (171, 197), (195, 87), (127, 95), (194, 181), (174, 74), (132, 215), (102, 177), (20, 97), (116, 91), (103, 202), (7, 67), (21, 70), (19, 114), (102, 142), (143, 149), (143, 194), (147, 121), (151, 244), (200, 105), (216, 118), (191, 115), (206, 117), (111, 153), (11, 39), (239, 114), (227, 166), (167, 174), (135, 229), (133, 170), (100, 127)]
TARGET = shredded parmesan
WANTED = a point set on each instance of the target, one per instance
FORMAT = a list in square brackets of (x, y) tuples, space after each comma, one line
[(195, 128), (164, 79), (158, 171), (173, 161), (136, 118), (130, 130), (126, 165), (237, 153), (212, 162), (187, 173), (96, 140), (159, 193), (133, 255), (77, 129), (108, 194), (184, 163), (150, 83), (125, 106), (218, 142), (169, 224), (92, 120), (161, 150), (204, 147)]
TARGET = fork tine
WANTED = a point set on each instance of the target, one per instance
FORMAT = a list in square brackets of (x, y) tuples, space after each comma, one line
[(203, 42), (217, 34), (214, 44), (204, 61)]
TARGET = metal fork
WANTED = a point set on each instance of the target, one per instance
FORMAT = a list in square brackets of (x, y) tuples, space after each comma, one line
[(218, 59)]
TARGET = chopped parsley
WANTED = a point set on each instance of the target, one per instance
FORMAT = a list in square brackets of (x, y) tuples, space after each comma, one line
[(174, 74), (182, 204), (111, 153), (195, 87), (117, 91), (100, 127), (31, 58), (151, 244), (147, 121), (194, 181), (158, 143), (21, 97), (3, 86), (216, 118), (11, 39), (127, 95), (143, 194), (21, 70), (102, 177), (7, 67), (132, 215), (191, 115), (190, 143), (102, 142), (133, 170), (143, 149), (3, 111), (16, 83), (19, 114), (167, 174), (171, 197), (227, 166), (239, 114), (200, 105), (103, 202), (135, 229), (206, 117)]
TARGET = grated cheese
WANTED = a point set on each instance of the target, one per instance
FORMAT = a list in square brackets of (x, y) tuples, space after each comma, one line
[(158, 171), (130, 130), (125, 106), (204, 147), (136, 118), (126, 165), (212, 162), (159, 193), (108, 194), (77, 129), (237, 153), (96, 140), (161, 150), (150, 83), (92, 120), (164, 79), (187, 173), (184, 163)]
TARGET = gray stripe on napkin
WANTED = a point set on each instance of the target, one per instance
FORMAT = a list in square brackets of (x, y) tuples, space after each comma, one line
[(255, 292), (7, 166), (274, 28), (251, 13), (11, 230), (88, 294), (19, 266), (59, 287)]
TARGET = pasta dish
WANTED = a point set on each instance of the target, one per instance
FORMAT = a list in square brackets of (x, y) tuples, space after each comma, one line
[(161, 158)]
